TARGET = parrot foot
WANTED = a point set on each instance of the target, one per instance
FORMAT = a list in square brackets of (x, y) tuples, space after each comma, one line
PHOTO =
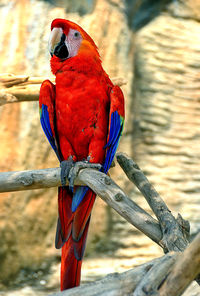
[(65, 166), (76, 167)]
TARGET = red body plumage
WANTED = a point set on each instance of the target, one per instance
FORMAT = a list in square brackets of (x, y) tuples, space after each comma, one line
[(77, 122), (84, 101)]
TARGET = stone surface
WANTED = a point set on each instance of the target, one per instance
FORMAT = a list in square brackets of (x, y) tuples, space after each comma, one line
[(168, 114), (156, 48)]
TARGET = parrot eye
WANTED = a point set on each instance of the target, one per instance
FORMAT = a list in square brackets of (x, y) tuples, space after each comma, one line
[(76, 34)]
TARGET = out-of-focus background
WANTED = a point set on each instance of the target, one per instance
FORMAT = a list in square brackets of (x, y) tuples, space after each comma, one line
[(155, 47)]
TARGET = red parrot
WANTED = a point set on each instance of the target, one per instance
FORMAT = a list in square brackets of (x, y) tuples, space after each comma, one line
[(82, 116)]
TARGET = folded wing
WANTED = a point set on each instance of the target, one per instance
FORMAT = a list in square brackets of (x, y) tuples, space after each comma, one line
[(116, 123), (47, 114)]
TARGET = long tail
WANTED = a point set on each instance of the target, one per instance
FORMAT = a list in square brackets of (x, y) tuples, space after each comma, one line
[(71, 235)]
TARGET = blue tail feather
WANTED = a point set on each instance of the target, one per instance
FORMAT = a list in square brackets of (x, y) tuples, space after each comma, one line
[(78, 196)]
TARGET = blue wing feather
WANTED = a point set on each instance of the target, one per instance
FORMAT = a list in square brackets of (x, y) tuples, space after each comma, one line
[(112, 130), (45, 122), (116, 127)]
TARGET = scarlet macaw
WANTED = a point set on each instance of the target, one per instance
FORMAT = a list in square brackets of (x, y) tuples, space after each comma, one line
[(82, 116)]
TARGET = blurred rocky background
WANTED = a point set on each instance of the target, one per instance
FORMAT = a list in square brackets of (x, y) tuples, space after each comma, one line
[(155, 47)]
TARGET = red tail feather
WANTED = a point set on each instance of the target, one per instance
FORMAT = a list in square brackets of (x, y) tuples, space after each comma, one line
[(71, 235), (70, 267), (71, 261)]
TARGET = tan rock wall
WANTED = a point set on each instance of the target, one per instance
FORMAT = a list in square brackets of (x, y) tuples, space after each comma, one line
[(167, 93)]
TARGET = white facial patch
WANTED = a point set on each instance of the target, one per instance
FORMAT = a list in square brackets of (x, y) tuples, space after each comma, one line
[(73, 42)]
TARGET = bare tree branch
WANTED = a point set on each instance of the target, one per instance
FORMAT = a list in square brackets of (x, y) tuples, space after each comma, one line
[(174, 234), (100, 183), (30, 179), (19, 88), (150, 284), (187, 268), (169, 275), (118, 284), (164, 276)]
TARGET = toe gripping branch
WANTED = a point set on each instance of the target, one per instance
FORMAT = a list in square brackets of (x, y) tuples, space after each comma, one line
[(70, 170), (65, 166)]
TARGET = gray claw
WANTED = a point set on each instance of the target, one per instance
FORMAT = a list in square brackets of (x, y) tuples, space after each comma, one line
[(65, 166), (77, 166)]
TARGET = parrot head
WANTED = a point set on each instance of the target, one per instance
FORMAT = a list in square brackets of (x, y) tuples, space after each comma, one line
[(68, 40)]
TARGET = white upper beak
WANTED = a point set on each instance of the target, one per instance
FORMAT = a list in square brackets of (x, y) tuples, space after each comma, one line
[(54, 39)]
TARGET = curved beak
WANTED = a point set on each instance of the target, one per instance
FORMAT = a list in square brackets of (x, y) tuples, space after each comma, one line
[(57, 45)]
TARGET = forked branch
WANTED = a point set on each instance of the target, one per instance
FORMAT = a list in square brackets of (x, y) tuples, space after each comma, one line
[(164, 276), (175, 231), (153, 278), (103, 185)]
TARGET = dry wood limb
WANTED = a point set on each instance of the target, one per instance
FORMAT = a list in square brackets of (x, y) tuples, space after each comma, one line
[(30, 179), (150, 284), (100, 183), (164, 276), (172, 274), (175, 231), (116, 198), (19, 88), (187, 268), (118, 284), (8, 80), (24, 88)]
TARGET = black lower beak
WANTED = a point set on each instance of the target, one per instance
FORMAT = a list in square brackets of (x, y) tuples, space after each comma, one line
[(61, 50)]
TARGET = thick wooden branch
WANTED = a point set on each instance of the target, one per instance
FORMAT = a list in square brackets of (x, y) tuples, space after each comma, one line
[(175, 231), (150, 279), (114, 196), (30, 179), (24, 88), (19, 88), (118, 284), (187, 268), (167, 275), (150, 284), (100, 183)]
